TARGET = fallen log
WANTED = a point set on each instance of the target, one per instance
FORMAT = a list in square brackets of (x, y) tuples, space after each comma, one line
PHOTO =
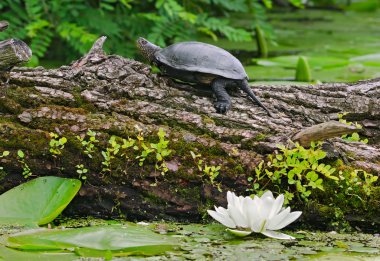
[(112, 95)]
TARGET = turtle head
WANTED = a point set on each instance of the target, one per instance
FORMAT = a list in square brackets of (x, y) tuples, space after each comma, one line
[(147, 49)]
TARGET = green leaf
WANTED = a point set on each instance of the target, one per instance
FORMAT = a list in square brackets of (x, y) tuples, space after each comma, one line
[(95, 241), (12, 254), (20, 153), (38, 201)]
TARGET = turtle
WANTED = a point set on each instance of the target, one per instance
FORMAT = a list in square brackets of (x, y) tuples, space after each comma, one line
[(201, 63)]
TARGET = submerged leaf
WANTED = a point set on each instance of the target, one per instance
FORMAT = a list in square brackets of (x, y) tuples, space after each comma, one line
[(38, 201)]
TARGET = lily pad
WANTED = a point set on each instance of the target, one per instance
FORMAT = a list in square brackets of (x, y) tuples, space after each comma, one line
[(369, 250), (95, 241), (12, 254), (38, 201)]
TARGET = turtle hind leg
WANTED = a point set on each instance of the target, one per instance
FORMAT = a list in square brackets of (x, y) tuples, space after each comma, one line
[(223, 100), (245, 87)]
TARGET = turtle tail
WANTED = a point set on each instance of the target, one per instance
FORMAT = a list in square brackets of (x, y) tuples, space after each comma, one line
[(245, 87)]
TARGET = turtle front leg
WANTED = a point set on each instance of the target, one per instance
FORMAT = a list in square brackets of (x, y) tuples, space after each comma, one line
[(223, 100)]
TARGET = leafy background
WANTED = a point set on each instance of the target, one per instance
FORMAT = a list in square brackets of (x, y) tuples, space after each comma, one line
[(63, 29)]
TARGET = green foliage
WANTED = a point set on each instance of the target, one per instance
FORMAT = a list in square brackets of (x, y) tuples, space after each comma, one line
[(109, 154), (145, 149), (81, 170), (356, 186), (38, 201), (354, 136), (303, 71), (56, 144), (297, 172), (26, 171), (88, 145), (4, 154), (69, 28), (211, 172), (298, 169), (87, 142), (160, 150)]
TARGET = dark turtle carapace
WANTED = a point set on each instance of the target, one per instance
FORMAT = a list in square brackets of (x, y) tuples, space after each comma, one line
[(203, 63)]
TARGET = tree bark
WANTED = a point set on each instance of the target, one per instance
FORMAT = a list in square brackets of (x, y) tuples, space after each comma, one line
[(12, 53), (111, 95)]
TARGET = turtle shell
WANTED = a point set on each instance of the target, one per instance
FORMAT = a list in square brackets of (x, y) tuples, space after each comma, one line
[(203, 58)]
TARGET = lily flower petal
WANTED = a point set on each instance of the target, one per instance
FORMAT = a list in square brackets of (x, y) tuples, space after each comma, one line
[(239, 233), (276, 220), (261, 215), (276, 235), (221, 210), (224, 219), (277, 205), (289, 219), (237, 216)]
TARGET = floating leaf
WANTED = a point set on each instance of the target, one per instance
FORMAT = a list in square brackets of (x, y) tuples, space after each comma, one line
[(16, 255), (38, 201), (95, 241)]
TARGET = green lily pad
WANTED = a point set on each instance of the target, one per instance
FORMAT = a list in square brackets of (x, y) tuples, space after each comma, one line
[(360, 249), (12, 254), (95, 241), (38, 201)]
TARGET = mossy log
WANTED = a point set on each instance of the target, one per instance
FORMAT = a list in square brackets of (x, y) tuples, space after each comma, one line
[(111, 95), (13, 52)]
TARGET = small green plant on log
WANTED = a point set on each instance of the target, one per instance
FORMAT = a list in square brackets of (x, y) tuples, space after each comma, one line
[(56, 144), (160, 149), (144, 149), (298, 169), (4, 154), (88, 145), (26, 171), (211, 172), (81, 170), (110, 153), (87, 142), (356, 186), (354, 136)]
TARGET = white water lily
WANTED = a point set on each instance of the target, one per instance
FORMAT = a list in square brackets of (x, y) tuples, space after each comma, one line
[(264, 215)]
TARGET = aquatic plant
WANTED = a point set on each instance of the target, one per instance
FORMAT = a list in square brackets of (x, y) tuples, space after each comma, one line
[(303, 71), (264, 215), (37, 202)]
